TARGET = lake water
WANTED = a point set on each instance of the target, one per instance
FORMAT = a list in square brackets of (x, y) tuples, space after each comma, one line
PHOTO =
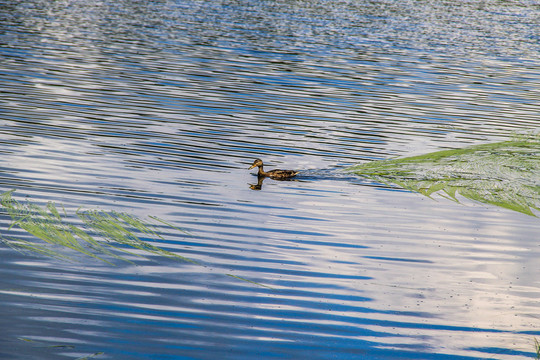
[(158, 108)]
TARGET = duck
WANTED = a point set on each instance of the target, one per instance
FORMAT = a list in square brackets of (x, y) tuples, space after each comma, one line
[(273, 174)]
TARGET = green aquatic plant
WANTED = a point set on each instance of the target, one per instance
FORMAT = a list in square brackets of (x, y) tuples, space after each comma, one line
[(505, 174), (98, 234), (537, 348)]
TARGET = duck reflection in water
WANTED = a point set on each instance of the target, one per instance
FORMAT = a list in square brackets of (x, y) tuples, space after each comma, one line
[(276, 174)]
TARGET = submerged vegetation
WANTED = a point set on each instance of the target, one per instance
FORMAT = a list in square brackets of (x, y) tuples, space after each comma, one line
[(505, 174), (98, 234)]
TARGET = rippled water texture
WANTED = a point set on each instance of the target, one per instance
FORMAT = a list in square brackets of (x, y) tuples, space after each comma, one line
[(156, 109)]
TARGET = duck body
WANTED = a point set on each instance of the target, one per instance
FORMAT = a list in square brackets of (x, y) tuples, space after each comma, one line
[(273, 174)]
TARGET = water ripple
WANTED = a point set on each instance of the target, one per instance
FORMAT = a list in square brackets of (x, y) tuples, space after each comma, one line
[(159, 108)]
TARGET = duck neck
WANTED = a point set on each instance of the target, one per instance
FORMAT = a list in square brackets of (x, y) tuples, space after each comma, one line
[(261, 171)]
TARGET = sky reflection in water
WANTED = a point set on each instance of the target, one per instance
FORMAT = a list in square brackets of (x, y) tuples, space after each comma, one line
[(158, 109)]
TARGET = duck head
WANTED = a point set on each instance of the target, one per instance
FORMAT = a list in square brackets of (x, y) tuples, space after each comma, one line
[(257, 162)]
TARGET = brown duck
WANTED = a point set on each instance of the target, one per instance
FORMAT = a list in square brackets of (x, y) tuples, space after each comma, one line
[(273, 174)]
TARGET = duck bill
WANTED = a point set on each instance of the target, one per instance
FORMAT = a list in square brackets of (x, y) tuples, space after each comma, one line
[(251, 167)]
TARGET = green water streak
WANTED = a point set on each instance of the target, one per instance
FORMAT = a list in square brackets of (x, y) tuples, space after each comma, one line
[(504, 174), (103, 235)]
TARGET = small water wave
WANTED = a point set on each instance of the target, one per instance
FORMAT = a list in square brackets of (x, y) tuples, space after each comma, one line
[(159, 108), (324, 174)]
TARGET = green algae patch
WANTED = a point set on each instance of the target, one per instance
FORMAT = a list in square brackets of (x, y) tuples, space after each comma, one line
[(504, 174), (102, 235), (98, 234)]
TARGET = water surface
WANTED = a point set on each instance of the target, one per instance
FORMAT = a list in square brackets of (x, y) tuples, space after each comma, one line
[(159, 108)]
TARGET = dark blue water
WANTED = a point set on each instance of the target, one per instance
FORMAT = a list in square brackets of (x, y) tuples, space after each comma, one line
[(158, 109)]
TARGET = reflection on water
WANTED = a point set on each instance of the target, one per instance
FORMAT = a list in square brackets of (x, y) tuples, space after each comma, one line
[(159, 108)]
